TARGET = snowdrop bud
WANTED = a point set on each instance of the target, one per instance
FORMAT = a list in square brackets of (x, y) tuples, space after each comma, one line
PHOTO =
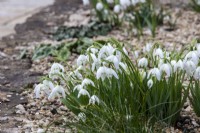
[(117, 9), (197, 74), (147, 48), (136, 54), (82, 59), (84, 93), (110, 1), (173, 63), (143, 74), (56, 91), (82, 117), (94, 99), (125, 3), (155, 72), (99, 6), (143, 62), (193, 56), (56, 68), (158, 53), (178, 65), (125, 51), (167, 69), (87, 81), (189, 67), (86, 2), (150, 83)]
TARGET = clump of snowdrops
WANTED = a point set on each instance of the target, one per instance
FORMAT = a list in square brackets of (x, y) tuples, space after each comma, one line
[(108, 92), (137, 13)]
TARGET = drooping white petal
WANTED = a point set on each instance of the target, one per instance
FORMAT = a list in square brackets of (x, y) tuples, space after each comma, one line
[(78, 87), (150, 83), (110, 1), (143, 62), (117, 9), (167, 69), (193, 56), (155, 72), (87, 81), (147, 48), (197, 74), (114, 60), (189, 67), (158, 53), (56, 91), (125, 3), (99, 6), (83, 92), (94, 99), (125, 51), (104, 72), (82, 59), (178, 66)]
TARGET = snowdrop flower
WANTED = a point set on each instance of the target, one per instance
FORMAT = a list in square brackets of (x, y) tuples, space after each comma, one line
[(192, 55), (150, 83), (78, 87), (197, 74), (158, 53), (99, 6), (94, 99), (142, 1), (94, 50), (114, 60), (86, 2), (143, 74), (167, 69), (189, 67), (136, 54), (83, 92), (134, 2), (178, 65), (82, 59), (104, 72), (96, 62), (198, 48), (155, 72), (143, 62), (125, 51), (82, 117), (58, 89), (110, 1), (87, 81), (173, 63), (147, 48), (123, 65), (56, 69), (125, 3), (39, 88), (48, 84), (105, 51), (117, 9)]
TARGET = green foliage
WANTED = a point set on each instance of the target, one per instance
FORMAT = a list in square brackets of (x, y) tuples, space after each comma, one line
[(195, 5), (195, 97), (90, 30), (63, 51)]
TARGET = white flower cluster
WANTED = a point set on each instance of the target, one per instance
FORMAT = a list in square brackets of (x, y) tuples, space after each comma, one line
[(118, 5), (164, 65), (103, 63)]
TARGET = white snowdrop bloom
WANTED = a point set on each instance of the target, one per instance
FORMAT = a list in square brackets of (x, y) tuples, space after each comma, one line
[(114, 60), (143, 74), (134, 2), (48, 84), (150, 83), (94, 50), (56, 91), (76, 74), (136, 54), (160, 62), (189, 67), (110, 1), (96, 62), (125, 51), (39, 88), (155, 72), (105, 51), (158, 53), (86, 2), (167, 69), (82, 117), (147, 48), (105, 11), (198, 48), (99, 6), (143, 62), (117, 9), (197, 74), (78, 87), (173, 63), (125, 3), (192, 55), (94, 99), (82, 59), (83, 92), (123, 65), (118, 55), (56, 69), (87, 81), (178, 65), (104, 72)]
